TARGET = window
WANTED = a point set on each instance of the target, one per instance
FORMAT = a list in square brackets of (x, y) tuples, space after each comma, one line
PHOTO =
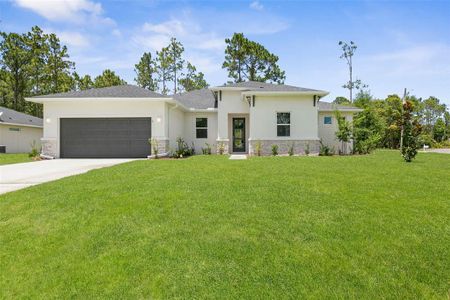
[(14, 129), (201, 128), (327, 120), (284, 124)]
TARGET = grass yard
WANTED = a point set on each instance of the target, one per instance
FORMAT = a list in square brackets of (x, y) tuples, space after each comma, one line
[(207, 227), (14, 158)]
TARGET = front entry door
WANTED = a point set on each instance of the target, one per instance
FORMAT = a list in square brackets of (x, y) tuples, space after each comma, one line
[(238, 134)]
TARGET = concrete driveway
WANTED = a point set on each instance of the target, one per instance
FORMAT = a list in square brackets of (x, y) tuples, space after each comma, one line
[(18, 176)]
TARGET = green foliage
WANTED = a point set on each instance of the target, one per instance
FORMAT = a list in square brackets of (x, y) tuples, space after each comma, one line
[(249, 60), (82, 83), (439, 130), (207, 149), (291, 149), (341, 101), (175, 51), (324, 150), (108, 78), (192, 80), (274, 149), (146, 71), (411, 132), (164, 68), (34, 153), (344, 133), (307, 150), (154, 144), (368, 128), (221, 148), (258, 147), (183, 150), (363, 98)]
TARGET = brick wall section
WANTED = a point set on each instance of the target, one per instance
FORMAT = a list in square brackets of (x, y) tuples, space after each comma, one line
[(283, 146), (48, 147)]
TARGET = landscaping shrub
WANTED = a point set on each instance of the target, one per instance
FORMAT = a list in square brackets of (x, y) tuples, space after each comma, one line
[(307, 149), (34, 153), (258, 147), (207, 149), (325, 150), (183, 150), (274, 149), (291, 149), (154, 144), (221, 148), (411, 132)]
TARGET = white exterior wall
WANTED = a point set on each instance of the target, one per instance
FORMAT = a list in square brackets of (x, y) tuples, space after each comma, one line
[(19, 141), (327, 132), (128, 108), (263, 117), (231, 103), (175, 125), (190, 130)]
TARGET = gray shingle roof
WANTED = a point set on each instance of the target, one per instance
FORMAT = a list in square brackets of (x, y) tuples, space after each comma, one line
[(268, 87), (331, 106), (119, 91), (200, 99), (11, 116)]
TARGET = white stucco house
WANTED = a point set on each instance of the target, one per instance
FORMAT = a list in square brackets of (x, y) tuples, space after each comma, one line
[(18, 131), (118, 121)]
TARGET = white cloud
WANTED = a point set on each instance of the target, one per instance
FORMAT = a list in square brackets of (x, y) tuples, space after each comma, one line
[(256, 5), (70, 38), (77, 11), (156, 36)]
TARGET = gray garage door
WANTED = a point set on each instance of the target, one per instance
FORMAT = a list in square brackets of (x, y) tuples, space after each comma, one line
[(105, 137)]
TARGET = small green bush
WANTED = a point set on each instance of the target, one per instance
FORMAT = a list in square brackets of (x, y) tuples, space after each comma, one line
[(307, 149), (325, 150), (291, 149), (154, 144), (207, 149), (221, 148), (274, 149), (34, 153), (258, 147)]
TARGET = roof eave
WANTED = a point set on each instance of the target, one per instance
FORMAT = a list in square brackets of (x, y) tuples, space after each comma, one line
[(286, 93), (83, 99), (342, 110), (20, 124)]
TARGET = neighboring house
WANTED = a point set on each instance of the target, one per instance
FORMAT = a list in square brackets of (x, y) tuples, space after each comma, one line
[(18, 131), (118, 121)]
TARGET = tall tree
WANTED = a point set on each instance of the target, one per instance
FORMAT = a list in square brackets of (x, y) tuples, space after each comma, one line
[(193, 80), (38, 43), (175, 51), (348, 50), (108, 78), (432, 111), (58, 66), (82, 83), (341, 100), (249, 60), (15, 58), (145, 72), (164, 63)]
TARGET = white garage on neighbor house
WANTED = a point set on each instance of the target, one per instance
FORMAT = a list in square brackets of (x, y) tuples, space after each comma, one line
[(18, 131)]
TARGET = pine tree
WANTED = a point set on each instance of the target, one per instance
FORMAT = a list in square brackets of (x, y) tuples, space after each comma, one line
[(145, 72), (164, 63), (193, 80)]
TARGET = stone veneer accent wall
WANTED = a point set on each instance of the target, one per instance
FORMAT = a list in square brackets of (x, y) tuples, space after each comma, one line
[(163, 146), (283, 146), (48, 147), (226, 146)]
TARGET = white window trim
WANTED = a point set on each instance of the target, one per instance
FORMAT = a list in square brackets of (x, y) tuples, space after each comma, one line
[(284, 112), (201, 127)]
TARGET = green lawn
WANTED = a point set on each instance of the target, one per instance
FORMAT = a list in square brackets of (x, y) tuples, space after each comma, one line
[(15, 158), (207, 227)]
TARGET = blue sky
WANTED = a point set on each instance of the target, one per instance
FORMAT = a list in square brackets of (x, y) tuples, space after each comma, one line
[(401, 44)]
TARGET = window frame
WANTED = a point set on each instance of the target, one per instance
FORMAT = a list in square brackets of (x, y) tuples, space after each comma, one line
[(287, 125), (331, 120), (197, 128)]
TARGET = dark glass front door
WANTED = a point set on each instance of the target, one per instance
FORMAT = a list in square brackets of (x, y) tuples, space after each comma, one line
[(238, 134)]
